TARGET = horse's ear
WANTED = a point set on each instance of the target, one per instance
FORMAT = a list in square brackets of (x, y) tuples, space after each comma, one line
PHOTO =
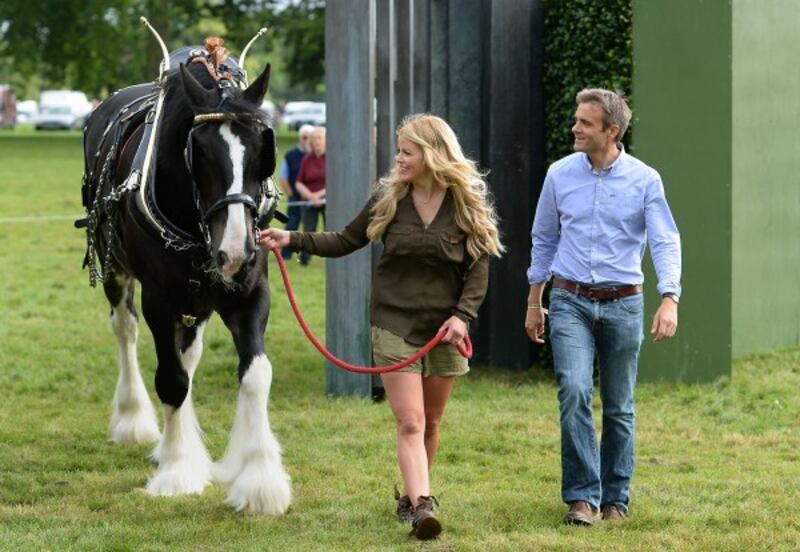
[(255, 92), (200, 98)]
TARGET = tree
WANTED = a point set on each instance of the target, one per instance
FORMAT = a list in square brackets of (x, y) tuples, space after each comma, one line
[(99, 45), (301, 28)]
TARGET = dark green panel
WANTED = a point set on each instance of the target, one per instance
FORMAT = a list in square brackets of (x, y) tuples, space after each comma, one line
[(766, 165), (682, 93)]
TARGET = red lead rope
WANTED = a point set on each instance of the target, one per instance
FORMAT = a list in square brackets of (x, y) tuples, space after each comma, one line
[(465, 349)]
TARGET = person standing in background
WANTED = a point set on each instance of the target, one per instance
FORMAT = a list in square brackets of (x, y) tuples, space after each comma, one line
[(310, 185), (289, 170)]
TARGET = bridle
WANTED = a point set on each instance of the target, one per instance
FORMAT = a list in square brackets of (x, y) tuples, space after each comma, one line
[(261, 206)]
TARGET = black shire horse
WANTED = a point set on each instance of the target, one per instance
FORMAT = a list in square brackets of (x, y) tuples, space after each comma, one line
[(189, 237)]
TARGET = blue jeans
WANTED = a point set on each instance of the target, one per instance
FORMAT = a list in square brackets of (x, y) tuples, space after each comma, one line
[(612, 328)]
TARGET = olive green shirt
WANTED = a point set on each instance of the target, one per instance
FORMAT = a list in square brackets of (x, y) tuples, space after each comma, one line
[(424, 275)]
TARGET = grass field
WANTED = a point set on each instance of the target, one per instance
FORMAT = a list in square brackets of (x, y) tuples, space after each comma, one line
[(718, 466)]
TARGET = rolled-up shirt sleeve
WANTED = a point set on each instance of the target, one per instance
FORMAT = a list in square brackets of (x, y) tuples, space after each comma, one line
[(662, 237), (544, 235), (334, 244)]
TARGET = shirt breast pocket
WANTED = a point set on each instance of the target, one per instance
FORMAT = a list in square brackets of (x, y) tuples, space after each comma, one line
[(630, 208), (452, 246), (398, 240)]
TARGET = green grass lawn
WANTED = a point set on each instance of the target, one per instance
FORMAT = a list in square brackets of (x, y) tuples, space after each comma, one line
[(718, 466)]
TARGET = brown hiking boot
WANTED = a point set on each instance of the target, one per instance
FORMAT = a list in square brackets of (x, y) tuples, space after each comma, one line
[(425, 526), (614, 512), (405, 512), (581, 513)]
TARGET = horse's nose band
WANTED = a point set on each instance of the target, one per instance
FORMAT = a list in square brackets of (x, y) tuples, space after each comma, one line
[(230, 200)]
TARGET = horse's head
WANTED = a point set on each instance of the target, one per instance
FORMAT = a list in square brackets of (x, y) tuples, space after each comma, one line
[(231, 155)]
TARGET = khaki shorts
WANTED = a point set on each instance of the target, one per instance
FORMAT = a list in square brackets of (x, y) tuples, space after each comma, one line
[(442, 360)]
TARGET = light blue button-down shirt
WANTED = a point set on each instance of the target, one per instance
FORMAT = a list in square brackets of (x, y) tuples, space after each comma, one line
[(592, 227)]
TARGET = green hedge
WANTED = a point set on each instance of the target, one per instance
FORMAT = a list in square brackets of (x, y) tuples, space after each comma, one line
[(587, 44)]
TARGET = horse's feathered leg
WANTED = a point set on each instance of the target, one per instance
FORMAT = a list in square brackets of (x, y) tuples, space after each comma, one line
[(133, 419), (183, 461), (252, 469)]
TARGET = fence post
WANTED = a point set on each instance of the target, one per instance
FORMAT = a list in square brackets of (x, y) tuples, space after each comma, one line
[(350, 170)]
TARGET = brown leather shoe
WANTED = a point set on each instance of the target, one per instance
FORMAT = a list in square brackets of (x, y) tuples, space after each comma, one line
[(614, 512), (425, 526), (405, 512), (581, 513)]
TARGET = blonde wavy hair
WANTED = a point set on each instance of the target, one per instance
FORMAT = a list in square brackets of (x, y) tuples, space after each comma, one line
[(442, 155)]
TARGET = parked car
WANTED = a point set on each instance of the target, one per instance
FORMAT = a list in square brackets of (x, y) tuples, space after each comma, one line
[(268, 108), (8, 107), (62, 109), (26, 111), (297, 114)]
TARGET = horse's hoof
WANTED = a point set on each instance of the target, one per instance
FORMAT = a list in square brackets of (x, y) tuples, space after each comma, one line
[(178, 478), (261, 488), (136, 429)]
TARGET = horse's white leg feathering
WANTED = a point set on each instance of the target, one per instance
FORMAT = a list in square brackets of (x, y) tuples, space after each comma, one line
[(252, 469), (184, 466), (133, 419)]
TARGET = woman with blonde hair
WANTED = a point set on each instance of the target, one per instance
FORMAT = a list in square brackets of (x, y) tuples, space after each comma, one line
[(438, 226)]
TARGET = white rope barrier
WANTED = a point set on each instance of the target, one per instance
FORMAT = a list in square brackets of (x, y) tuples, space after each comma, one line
[(45, 218), (52, 218)]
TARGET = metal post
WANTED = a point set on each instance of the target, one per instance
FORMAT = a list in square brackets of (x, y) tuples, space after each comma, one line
[(420, 68), (465, 26), (510, 127), (385, 56), (438, 58), (404, 83), (350, 168)]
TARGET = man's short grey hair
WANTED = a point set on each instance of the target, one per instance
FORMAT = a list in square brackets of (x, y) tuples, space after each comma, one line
[(305, 129), (615, 107)]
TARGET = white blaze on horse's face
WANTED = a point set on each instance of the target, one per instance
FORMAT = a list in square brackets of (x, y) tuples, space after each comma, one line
[(234, 239)]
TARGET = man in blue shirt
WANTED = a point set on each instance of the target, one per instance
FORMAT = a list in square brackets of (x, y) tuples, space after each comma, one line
[(598, 209), (288, 178)]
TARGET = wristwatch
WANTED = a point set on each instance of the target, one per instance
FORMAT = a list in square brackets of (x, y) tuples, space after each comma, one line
[(672, 296)]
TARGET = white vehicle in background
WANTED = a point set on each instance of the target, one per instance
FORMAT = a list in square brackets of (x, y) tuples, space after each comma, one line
[(26, 111), (297, 114), (269, 109), (62, 109)]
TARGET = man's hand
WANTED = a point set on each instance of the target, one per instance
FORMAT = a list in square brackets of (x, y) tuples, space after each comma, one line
[(665, 322), (534, 324), (534, 318)]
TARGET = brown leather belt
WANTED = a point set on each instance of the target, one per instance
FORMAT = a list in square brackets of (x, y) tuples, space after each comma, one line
[(597, 294)]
